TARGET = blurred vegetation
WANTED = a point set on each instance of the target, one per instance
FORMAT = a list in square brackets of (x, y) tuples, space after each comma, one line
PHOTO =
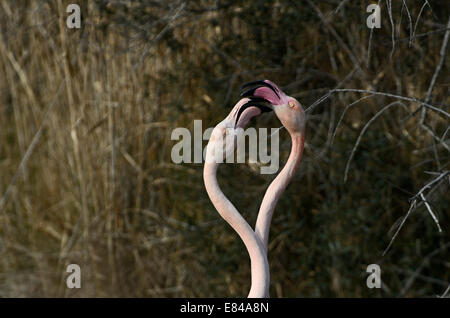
[(86, 176)]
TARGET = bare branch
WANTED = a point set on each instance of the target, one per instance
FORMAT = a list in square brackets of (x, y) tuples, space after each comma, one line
[(446, 291), (410, 22), (343, 114), (437, 70), (160, 34), (439, 140), (411, 208), (409, 99), (364, 130), (336, 36), (431, 212), (430, 184), (425, 261), (389, 5), (341, 4), (418, 17), (413, 205)]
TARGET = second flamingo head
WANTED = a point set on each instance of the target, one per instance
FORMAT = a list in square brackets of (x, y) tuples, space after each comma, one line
[(288, 110)]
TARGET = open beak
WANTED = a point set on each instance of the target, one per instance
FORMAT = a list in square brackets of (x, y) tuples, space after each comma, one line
[(253, 107), (265, 89), (261, 96), (251, 88)]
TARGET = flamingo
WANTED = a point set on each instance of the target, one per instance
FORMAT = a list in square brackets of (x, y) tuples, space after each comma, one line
[(291, 114), (259, 97)]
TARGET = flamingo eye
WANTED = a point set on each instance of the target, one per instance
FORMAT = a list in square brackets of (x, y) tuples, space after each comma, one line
[(291, 104)]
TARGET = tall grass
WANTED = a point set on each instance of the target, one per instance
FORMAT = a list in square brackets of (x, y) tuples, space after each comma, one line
[(86, 175)]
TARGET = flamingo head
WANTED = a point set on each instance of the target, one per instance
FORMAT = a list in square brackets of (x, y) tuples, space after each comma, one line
[(288, 110)]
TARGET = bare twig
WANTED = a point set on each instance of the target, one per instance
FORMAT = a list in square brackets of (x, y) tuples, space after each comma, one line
[(409, 99), (329, 93), (343, 114), (425, 261), (160, 34), (411, 208), (419, 276), (410, 22), (445, 133), (418, 17), (341, 4), (341, 42), (224, 55), (389, 5), (446, 291), (439, 140), (364, 130), (430, 211), (430, 184), (413, 205), (442, 54)]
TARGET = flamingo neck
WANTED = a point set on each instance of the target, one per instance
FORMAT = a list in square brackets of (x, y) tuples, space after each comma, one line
[(277, 187), (260, 276)]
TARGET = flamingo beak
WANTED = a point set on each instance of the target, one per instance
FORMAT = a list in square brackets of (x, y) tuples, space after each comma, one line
[(265, 89), (261, 97), (253, 107), (251, 88)]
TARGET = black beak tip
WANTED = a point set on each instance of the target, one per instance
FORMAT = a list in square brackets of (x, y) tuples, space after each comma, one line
[(248, 92), (259, 102), (255, 85)]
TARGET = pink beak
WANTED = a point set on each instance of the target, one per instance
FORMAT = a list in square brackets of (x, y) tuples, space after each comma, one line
[(266, 90)]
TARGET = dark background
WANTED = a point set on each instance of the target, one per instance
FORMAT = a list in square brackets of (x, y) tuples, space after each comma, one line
[(86, 175)]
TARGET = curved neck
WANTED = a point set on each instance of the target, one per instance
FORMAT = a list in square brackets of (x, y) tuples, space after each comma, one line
[(276, 188), (258, 258)]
